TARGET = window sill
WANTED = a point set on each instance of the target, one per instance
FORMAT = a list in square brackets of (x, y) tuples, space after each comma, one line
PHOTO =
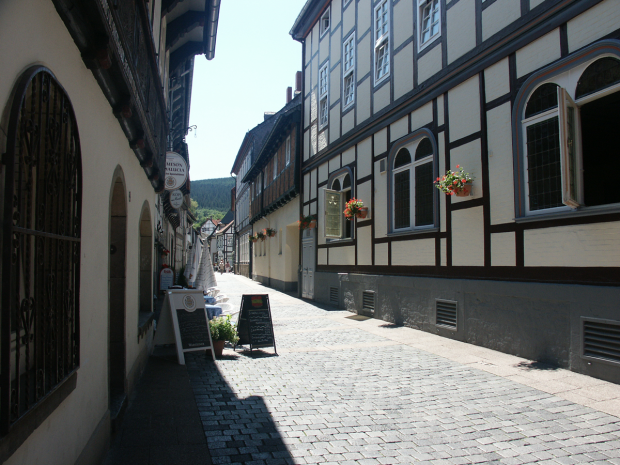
[(581, 211), (329, 240), (413, 232), (26, 425)]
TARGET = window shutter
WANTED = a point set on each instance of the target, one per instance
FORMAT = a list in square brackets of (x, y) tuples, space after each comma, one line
[(568, 149), (333, 213)]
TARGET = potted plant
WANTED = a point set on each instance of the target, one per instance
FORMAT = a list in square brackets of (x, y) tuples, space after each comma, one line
[(269, 232), (307, 222), (457, 183), (222, 330), (253, 238), (260, 235), (355, 208)]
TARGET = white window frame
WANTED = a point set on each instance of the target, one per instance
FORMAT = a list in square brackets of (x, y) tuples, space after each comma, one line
[(341, 193), (324, 95), (381, 35), (423, 6), (567, 85), (325, 22), (288, 151), (348, 70)]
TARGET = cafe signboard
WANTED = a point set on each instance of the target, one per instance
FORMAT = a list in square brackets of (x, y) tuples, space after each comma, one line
[(176, 171)]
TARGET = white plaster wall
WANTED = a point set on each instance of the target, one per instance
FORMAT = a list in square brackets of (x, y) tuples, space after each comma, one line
[(306, 187), (336, 44), (503, 249), (364, 158), (538, 53), (320, 229), (342, 255), (469, 156), (535, 3), (348, 122), (381, 254), (380, 141), (334, 124), (313, 190), (307, 110), (336, 11), (468, 237), (441, 155), (412, 253), (334, 85), (429, 64), (306, 147), (363, 101), (314, 105), (403, 21), (581, 245), (314, 138), (324, 47), (315, 38), (348, 156), (399, 128), (461, 29), (322, 257), (364, 193), (334, 163), (593, 24), (348, 18), (363, 56), (364, 15), (308, 79), (381, 98), (501, 181), (403, 70), (422, 116), (499, 15), (496, 80), (315, 73), (32, 33), (464, 109), (380, 213), (364, 245), (440, 110), (323, 173), (308, 49), (443, 244)]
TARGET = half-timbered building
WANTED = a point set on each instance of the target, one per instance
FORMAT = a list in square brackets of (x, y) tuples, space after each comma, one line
[(88, 113), (274, 202), (524, 96)]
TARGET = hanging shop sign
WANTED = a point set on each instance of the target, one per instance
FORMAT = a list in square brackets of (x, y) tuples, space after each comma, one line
[(176, 199), (176, 171)]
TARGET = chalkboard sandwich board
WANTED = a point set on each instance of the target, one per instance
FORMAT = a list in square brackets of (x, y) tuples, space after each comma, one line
[(255, 326)]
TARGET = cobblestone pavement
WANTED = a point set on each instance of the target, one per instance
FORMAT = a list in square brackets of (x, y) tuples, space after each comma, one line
[(339, 394)]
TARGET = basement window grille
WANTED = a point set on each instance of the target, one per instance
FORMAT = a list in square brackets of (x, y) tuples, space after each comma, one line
[(368, 301), (601, 340), (445, 311), (333, 295)]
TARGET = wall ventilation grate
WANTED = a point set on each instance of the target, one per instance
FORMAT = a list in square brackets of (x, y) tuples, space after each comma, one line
[(368, 300), (333, 295), (601, 340), (445, 313)]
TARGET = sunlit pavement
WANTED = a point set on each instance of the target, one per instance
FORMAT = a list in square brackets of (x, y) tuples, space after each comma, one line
[(345, 391)]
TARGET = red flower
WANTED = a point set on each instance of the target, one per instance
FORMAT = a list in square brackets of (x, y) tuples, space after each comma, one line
[(455, 181), (457, 167)]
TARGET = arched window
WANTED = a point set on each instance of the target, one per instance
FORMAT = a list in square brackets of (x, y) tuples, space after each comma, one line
[(412, 191), (338, 193), (568, 137), (40, 340)]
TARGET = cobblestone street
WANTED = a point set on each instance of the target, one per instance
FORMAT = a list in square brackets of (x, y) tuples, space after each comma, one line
[(347, 391)]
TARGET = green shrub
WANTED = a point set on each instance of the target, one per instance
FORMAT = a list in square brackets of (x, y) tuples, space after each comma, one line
[(223, 330)]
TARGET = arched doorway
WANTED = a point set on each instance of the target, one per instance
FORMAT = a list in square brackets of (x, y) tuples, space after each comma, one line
[(116, 330), (146, 260)]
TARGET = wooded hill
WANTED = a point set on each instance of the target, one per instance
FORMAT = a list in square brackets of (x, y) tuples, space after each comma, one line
[(211, 198)]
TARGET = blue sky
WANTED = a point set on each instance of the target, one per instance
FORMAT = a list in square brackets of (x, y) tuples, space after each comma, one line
[(255, 61)]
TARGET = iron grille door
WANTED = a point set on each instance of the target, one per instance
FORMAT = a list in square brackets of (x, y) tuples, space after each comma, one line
[(41, 245)]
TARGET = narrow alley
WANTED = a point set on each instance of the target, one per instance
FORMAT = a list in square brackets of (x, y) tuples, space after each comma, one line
[(348, 390)]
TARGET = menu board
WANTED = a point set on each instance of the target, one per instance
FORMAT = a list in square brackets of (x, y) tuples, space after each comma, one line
[(193, 328), (255, 326)]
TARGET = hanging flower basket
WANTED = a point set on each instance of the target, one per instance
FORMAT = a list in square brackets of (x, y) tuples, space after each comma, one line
[(260, 235), (307, 222), (355, 208), (457, 183), (253, 238), (269, 232)]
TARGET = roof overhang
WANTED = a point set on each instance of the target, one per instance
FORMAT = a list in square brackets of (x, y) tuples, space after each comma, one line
[(307, 18)]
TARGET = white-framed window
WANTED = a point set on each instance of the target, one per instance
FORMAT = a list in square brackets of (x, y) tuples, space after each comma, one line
[(325, 22), (288, 151), (429, 21), (348, 71), (336, 195), (324, 95), (382, 41), (275, 166), (568, 126), (413, 193)]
